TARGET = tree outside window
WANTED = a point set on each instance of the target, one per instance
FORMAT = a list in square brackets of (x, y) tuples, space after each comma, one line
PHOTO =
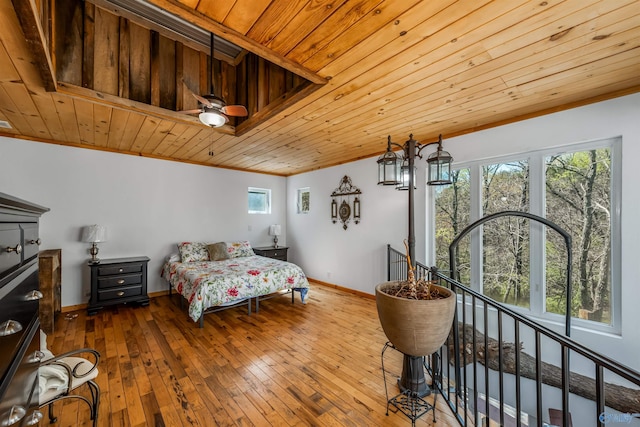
[(453, 207), (576, 188), (578, 199), (505, 261)]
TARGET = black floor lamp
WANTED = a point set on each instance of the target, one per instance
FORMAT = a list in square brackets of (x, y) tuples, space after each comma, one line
[(399, 170)]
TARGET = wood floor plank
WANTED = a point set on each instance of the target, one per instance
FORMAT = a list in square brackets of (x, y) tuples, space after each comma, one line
[(286, 365)]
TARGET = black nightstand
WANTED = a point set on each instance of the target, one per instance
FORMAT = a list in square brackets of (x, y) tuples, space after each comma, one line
[(270, 252), (118, 280)]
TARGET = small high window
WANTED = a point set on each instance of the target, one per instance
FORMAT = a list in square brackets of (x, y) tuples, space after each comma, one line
[(259, 200)]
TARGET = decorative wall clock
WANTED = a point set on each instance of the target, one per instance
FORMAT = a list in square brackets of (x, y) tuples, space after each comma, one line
[(341, 203)]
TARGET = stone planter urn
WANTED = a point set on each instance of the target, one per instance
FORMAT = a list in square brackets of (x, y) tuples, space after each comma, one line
[(416, 328)]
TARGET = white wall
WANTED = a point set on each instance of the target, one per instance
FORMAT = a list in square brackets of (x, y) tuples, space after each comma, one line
[(150, 204), (147, 204), (356, 257)]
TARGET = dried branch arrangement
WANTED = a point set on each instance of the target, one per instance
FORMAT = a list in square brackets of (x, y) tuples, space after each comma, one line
[(419, 289)]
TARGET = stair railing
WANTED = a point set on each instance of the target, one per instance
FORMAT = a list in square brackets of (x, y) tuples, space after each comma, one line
[(490, 369)]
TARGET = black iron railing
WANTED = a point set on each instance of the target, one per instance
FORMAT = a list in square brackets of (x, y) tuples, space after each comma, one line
[(510, 368)]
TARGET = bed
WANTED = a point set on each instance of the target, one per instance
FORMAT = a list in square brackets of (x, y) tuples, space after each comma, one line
[(216, 276)]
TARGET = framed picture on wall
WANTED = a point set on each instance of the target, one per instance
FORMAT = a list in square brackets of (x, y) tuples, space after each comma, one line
[(303, 200)]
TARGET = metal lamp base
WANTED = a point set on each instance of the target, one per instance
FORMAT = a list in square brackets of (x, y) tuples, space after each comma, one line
[(412, 380), (94, 254), (413, 388)]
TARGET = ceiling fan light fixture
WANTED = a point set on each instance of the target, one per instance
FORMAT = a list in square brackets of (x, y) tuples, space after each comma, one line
[(212, 118)]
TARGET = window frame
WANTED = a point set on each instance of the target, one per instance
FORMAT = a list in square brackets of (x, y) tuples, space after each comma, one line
[(537, 206), (300, 204), (264, 191)]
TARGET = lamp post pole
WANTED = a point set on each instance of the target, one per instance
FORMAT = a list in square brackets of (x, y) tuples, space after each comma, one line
[(410, 150), (412, 380)]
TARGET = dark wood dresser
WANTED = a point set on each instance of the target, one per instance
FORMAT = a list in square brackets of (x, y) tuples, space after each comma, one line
[(117, 281), (270, 252), (19, 323)]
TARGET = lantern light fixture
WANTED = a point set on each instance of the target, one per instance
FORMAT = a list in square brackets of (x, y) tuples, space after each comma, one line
[(393, 169), (439, 166), (400, 170), (334, 211), (404, 176), (389, 166)]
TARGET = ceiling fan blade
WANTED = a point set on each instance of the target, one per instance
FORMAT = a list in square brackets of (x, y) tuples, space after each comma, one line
[(199, 110), (202, 100), (235, 110)]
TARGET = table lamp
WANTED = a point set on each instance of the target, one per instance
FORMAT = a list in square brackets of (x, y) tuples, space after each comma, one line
[(275, 231), (94, 234)]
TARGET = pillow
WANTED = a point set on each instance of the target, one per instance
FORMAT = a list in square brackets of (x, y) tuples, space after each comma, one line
[(174, 257), (217, 251), (193, 252), (239, 249)]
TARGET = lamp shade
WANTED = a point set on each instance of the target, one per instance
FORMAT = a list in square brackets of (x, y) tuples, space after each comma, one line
[(94, 233), (275, 230), (213, 118)]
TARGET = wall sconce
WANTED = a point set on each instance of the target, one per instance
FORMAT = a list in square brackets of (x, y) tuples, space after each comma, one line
[(356, 210), (343, 193), (94, 234), (334, 211), (275, 230)]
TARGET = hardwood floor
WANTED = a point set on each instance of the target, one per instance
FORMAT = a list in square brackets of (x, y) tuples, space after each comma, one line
[(288, 365)]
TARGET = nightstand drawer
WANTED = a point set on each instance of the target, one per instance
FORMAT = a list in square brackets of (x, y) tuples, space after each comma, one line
[(277, 254), (271, 252), (119, 269), (119, 293), (108, 282)]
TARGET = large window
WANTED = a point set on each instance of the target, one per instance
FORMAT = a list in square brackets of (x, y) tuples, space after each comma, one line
[(453, 207), (521, 263), (505, 187)]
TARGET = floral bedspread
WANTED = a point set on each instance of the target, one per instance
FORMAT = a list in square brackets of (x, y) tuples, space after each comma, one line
[(212, 283)]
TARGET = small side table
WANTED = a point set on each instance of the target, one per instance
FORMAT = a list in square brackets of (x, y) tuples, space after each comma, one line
[(270, 252), (117, 281), (50, 278)]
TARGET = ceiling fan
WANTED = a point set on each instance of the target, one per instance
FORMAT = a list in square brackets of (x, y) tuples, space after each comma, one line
[(214, 110)]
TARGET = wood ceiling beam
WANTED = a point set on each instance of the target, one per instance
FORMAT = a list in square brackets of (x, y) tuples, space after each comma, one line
[(105, 4), (239, 39), (138, 107), (36, 40), (277, 106)]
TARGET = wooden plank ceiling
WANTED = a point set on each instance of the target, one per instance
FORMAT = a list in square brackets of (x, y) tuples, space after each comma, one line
[(380, 67)]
